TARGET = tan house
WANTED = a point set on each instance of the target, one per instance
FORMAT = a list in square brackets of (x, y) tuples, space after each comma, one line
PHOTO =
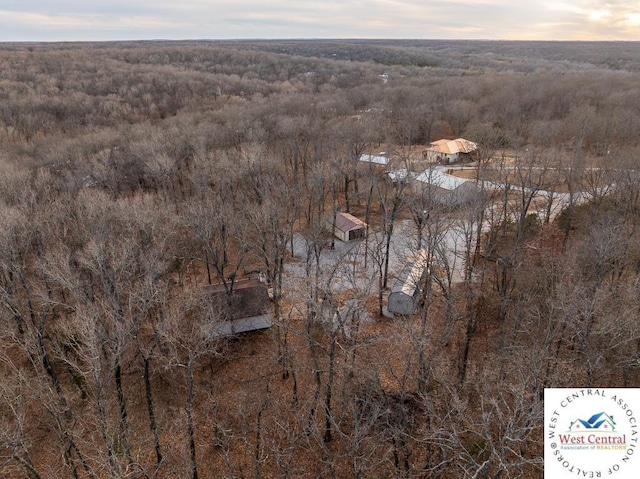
[(449, 151)]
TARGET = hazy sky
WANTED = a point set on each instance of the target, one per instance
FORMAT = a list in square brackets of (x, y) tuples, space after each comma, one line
[(52, 20)]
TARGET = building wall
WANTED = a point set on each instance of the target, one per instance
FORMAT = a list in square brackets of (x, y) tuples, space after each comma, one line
[(401, 303), (436, 157), (344, 235), (465, 193)]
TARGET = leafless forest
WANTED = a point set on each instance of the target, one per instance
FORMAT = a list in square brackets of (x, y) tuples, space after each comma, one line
[(136, 174)]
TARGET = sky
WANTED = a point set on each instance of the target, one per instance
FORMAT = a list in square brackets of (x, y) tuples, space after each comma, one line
[(92, 20)]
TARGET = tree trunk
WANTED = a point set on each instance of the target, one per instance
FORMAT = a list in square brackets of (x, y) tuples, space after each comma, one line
[(192, 442), (124, 423), (150, 410), (387, 248), (327, 407)]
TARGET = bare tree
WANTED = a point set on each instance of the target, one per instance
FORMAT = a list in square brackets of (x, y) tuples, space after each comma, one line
[(190, 332)]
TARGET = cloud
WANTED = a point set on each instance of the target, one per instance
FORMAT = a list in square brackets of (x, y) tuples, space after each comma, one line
[(611, 13), (26, 26), (146, 19)]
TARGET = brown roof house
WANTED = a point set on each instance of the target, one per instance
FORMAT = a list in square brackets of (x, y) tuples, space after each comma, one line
[(348, 227), (449, 151), (247, 308)]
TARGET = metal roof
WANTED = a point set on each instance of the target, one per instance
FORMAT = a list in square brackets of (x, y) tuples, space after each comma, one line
[(451, 147), (378, 160), (437, 177), (348, 222), (409, 279), (249, 298)]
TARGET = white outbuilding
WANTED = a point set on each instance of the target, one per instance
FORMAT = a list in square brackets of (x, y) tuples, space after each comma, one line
[(348, 227), (381, 159)]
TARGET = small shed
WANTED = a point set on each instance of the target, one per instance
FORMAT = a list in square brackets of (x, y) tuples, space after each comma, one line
[(380, 160), (400, 176), (348, 227), (247, 308), (406, 292)]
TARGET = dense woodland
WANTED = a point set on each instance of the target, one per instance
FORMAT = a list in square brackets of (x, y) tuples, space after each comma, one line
[(136, 173)]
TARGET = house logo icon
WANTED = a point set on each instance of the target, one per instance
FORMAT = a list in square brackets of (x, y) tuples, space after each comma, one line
[(600, 422), (599, 430)]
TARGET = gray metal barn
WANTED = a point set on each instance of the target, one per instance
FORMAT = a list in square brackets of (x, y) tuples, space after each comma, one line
[(405, 295)]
